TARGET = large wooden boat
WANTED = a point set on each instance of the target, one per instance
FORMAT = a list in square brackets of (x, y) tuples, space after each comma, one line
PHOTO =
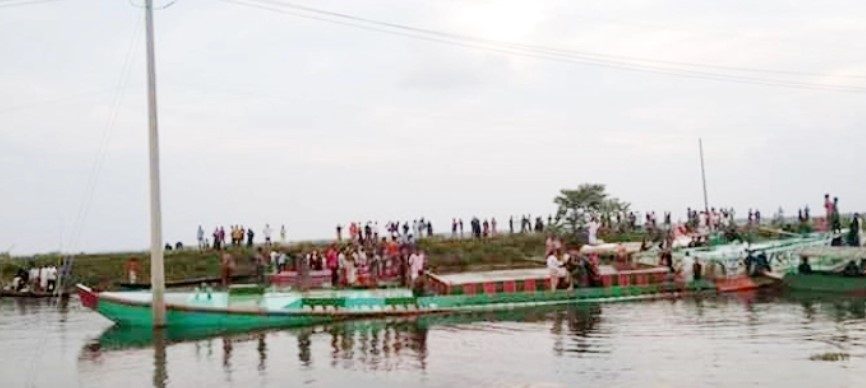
[(256, 308)]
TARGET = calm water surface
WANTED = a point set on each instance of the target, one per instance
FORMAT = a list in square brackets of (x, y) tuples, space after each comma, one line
[(729, 341)]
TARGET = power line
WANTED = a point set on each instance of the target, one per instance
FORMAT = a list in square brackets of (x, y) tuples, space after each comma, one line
[(543, 48), (102, 150), (18, 3), (36, 104), (513, 49)]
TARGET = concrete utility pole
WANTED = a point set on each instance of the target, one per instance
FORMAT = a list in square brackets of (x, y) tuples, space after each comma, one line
[(157, 268), (704, 176)]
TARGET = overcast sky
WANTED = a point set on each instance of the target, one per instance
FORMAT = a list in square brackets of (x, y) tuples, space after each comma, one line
[(270, 117)]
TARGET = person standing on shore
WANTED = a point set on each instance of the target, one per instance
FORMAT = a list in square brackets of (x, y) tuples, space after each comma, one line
[(460, 223), (453, 227), (511, 224), (339, 233), (283, 234), (250, 236), (492, 226), (216, 238), (199, 236), (267, 232), (429, 229)]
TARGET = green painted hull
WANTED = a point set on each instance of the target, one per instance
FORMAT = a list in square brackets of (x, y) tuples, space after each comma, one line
[(832, 283), (140, 315), (136, 312)]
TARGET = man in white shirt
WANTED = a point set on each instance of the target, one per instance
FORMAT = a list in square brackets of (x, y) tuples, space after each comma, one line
[(283, 234), (267, 233), (554, 269), (416, 265), (51, 275), (593, 231), (200, 237)]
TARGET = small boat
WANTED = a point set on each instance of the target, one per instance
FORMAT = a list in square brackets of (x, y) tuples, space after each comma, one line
[(829, 277), (31, 294), (826, 282), (246, 307)]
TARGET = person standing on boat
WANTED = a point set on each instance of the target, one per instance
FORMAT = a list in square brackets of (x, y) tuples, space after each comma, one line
[(854, 231), (331, 258), (554, 269), (227, 266), (416, 265), (593, 231), (351, 272), (697, 270), (835, 217), (828, 207)]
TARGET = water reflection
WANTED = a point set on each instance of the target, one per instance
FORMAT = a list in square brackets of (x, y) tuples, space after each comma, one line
[(378, 344), (574, 332), (160, 373)]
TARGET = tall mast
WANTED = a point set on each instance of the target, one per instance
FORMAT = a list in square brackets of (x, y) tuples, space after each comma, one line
[(704, 176), (157, 269)]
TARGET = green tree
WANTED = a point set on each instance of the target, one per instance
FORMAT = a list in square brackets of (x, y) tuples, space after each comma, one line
[(574, 206)]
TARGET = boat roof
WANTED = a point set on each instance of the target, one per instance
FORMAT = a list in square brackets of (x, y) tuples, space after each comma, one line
[(851, 253)]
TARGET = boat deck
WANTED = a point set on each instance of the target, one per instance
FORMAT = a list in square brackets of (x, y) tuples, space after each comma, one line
[(456, 279)]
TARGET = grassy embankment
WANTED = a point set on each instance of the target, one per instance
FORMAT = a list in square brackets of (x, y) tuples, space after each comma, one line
[(446, 255)]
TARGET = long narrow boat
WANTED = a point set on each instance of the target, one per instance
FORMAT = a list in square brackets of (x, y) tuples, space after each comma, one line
[(241, 309), (827, 282), (32, 294), (830, 279)]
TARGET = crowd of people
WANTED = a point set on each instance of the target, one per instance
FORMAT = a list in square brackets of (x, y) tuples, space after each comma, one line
[(363, 259), (35, 279), (238, 235)]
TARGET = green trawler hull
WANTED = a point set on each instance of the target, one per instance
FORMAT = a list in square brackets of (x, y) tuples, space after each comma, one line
[(272, 310), (822, 282)]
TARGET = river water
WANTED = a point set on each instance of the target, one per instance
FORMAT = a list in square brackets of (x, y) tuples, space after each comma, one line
[(720, 341)]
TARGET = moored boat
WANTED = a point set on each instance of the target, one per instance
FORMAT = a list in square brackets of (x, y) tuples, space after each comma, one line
[(827, 282), (839, 273), (32, 294), (249, 308)]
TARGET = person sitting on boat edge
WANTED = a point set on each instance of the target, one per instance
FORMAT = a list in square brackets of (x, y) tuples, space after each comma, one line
[(852, 269), (804, 268)]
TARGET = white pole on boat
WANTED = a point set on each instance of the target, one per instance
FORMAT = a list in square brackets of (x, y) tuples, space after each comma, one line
[(157, 278), (704, 176)]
